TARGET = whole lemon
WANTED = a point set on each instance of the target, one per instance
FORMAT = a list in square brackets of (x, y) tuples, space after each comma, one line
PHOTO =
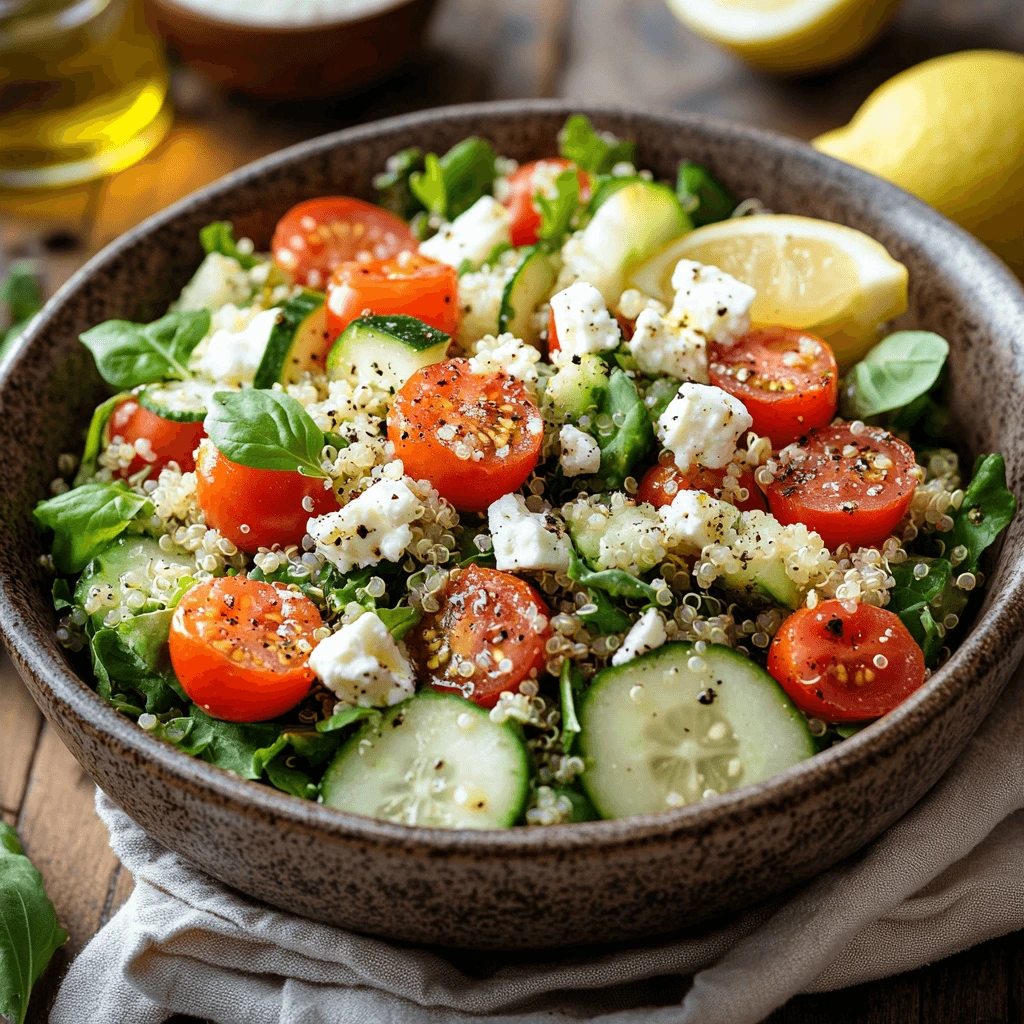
[(950, 130)]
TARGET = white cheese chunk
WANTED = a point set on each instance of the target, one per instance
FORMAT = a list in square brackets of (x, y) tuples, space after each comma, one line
[(233, 357), (581, 454), (523, 539), (472, 236), (582, 322), (633, 302), (648, 633), (363, 666), (702, 425), (695, 519), (507, 354), (710, 301), (662, 347)]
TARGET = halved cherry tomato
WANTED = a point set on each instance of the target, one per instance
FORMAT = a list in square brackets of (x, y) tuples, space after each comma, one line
[(848, 487), (407, 283), (316, 236), (787, 379), (653, 487), (169, 440), (523, 184), (491, 620), (474, 436), (240, 648), (257, 508), (845, 666)]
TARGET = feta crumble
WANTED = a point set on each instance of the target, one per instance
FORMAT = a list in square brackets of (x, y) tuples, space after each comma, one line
[(583, 323), (648, 634), (472, 236), (663, 347), (507, 354), (633, 302), (702, 425), (233, 357), (710, 301), (695, 519), (523, 539), (581, 454)]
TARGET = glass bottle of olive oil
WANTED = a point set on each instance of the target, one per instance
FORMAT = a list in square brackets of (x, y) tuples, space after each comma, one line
[(83, 90)]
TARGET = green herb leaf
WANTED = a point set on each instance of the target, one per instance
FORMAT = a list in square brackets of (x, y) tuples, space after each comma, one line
[(399, 620), (392, 184), (428, 186), (94, 439), (703, 196), (63, 599), (23, 297), (570, 686), (451, 184), (556, 214), (29, 931), (220, 237), (616, 582), (344, 717), (265, 430), (86, 519), (633, 435), (658, 396), (606, 618), (130, 354), (597, 152), (913, 599), (896, 371), (987, 509), (237, 747)]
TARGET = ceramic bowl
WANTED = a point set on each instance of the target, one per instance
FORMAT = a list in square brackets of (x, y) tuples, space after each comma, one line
[(525, 887)]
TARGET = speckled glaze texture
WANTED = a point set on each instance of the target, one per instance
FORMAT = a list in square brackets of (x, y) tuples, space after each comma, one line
[(611, 880)]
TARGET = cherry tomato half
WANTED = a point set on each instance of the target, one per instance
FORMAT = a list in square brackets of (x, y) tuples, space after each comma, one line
[(848, 487), (168, 440), (491, 620), (523, 184), (407, 283), (235, 646), (787, 379), (316, 236), (474, 436), (662, 483), (843, 666), (257, 508)]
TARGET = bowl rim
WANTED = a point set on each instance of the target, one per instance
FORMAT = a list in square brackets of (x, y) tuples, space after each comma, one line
[(1001, 613), (368, 11)]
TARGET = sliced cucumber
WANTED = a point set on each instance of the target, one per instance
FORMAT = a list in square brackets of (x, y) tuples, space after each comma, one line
[(577, 388), (298, 342), (435, 760), (766, 580), (184, 401), (385, 350), (529, 287), (665, 730)]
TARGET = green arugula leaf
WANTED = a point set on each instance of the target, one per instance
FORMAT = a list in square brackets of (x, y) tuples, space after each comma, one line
[(344, 717), (265, 430), (392, 184), (616, 582), (220, 237), (987, 509), (703, 196), (94, 438), (597, 152), (633, 436), (895, 372), (130, 354), (556, 214), (23, 297), (29, 931), (398, 620), (86, 519), (571, 686), (451, 184)]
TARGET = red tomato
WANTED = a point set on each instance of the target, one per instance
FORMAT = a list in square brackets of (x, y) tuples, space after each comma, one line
[(653, 487), (257, 508), (843, 666), (483, 612), (850, 487), (316, 236), (787, 379), (553, 343), (408, 283), (524, 183), (491, 419), (237, 647), (169, 440)]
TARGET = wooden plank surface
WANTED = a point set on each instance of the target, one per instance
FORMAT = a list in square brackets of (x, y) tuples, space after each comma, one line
[(623, 51)]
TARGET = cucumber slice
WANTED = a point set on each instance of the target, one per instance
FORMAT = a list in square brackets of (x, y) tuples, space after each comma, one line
[(435, 760), (183, 401), (529, 287), (298, 342), (658, 733), (385, 350), (769, 582), (577, 389)]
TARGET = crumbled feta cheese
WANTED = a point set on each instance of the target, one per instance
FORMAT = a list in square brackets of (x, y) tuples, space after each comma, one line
[(648, 633), (662, 347), (710, 301), (363, 666), (581, 454), (233, 357), (472, 236), (523, 539), (702, 425), (583, 322), (506, 353), (480, 295), (633, 302), (218, 281), (371, 527), (695, 519)]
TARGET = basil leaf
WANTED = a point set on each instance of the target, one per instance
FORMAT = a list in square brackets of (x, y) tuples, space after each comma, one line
[(616, 582), (597, 152), (399, 620), (987, 509), (94, 438), (392, 184), (703, 196), (897, 371), (606, 617), (130, 354), (451, 184), (633, 435), (29, 931), (556, 214), (265, 430), (570, 686), (86, 519), (344, 717), (220, 237)]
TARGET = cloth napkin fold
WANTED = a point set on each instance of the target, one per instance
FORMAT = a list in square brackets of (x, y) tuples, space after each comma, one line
[(944, 878)]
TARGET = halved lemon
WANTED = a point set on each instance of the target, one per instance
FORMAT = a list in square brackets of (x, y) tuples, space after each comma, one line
[(812, 274)]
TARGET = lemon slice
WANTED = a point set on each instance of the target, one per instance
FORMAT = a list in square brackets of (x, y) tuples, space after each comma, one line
[(788, 36), (812, 274)]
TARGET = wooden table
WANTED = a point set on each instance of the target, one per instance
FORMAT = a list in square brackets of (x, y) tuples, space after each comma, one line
[(616, 50)]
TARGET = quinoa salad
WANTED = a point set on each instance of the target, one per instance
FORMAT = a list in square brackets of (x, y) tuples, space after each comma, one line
[(492, 504)]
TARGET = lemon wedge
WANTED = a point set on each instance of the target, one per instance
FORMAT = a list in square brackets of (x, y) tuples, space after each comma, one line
[(812, 274), (788, 36)]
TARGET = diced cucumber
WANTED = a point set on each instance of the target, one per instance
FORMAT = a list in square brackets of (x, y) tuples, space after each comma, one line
[(628, 227), (298, 342), (435, 760), (528, 288), (765, 580), (184, 401), (671, 728), (385, 350), (577, 388)]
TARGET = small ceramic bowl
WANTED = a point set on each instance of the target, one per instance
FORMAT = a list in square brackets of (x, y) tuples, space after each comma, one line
[(280, 59), (525, 887)]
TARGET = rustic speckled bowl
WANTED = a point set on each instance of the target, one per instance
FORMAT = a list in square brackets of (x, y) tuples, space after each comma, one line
[(596, 882)]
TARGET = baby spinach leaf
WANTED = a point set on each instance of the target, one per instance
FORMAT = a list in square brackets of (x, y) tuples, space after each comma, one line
[(399, 620), (392, 184), (571, 686), (29, 931), (86, 519), (237, 747), (62, 596), (633, 435), (912, 596), (597, 152), (291, 780), (94, 438), (702, 195), (130, 354), (896, 371), (451, 184), (220, 237), (556, 214), (23, 297), (616, 582), (265, 430), (987, 509), (606, 617), (344, 717)]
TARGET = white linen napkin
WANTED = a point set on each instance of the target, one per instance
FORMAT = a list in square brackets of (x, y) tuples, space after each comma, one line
[(944, 878)]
